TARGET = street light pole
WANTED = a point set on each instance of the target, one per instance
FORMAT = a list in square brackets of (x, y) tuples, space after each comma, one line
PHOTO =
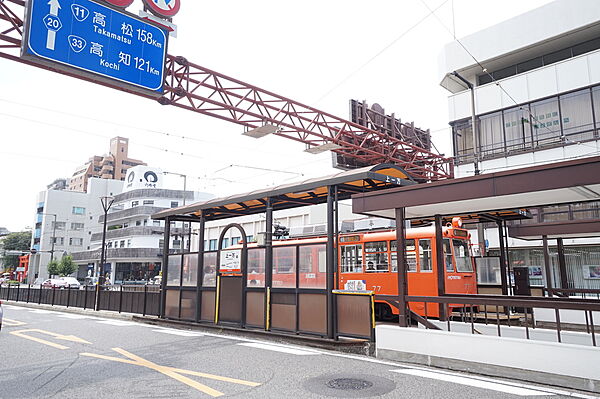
[(106, 204), (184, 176), (53, 237)]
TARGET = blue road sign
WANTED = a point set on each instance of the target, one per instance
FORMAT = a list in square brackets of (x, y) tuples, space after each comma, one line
[(97, 39)]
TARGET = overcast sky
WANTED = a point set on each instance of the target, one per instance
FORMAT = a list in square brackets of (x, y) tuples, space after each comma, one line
[(320, 53)]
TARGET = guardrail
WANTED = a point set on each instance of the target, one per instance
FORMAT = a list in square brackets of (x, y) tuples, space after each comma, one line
[(143, 300), (585, 293), (503, 310)]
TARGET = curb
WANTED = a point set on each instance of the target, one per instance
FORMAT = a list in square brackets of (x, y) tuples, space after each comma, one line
[(87, 312)]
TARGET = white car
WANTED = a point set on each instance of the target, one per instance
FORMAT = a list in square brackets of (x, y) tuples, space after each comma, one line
[(71, 282)]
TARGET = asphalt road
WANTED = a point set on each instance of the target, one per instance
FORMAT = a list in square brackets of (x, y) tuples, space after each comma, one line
[(48, 354)]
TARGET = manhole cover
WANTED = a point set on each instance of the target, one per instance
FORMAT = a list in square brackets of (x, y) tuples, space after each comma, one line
[(349, 384)]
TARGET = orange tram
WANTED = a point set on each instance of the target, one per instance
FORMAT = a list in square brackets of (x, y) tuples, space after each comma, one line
[(368, 261)]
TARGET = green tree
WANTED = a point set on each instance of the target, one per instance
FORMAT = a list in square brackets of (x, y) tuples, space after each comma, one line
[(67, 266), (53, 268), (20, 241)]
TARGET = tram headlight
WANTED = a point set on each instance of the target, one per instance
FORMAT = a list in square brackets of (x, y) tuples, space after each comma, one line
[(457, 222)]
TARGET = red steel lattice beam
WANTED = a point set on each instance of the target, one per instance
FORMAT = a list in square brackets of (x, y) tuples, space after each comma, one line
[(195, 88)]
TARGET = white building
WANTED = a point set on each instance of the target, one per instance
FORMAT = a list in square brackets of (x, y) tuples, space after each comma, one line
[(67, 218), (536, 82), (134, 241)]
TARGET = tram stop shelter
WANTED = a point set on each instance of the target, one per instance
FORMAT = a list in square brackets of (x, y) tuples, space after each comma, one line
[(489, 196), (216, 287)]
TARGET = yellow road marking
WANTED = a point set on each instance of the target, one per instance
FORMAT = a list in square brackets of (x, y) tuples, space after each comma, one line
[(173, 372), (13, 323), (72, 338)]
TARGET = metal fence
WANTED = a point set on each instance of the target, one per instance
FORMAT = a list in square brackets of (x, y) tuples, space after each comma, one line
[(143, 300), (517, 311)]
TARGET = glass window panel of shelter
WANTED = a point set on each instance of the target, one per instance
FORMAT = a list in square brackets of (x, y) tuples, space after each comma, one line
[(517, 128), (410, 253), (425, 262), (284, 267), (462, 256), (312, 266), (546, 122), (491, 134), (577, 115), (596, 101), (189, 273), (174, 271), (351, 258), (376, 257), (586, 210), (463, 141), (256, 267), (448, 256), (555, 213), (210, 269)]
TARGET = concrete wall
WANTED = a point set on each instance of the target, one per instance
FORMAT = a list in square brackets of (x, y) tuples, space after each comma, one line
[(567, 365)]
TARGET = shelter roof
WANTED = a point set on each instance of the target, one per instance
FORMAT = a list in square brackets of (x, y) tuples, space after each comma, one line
[(308, 192), (549, 184)]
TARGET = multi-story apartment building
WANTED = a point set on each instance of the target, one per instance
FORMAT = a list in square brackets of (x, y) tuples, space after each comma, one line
[(134, 241), (536, 85), (65, 221), (113, 165)]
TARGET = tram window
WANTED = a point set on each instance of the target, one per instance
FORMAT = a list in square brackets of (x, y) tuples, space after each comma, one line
[(448, 256), (377, 262), (256, 267), (284, 267), (425, 255), (411, 255), (352, 258), (376, 246), (462, 255)]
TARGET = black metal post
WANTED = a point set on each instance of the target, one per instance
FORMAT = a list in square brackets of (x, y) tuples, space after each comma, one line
[(440, 261), (18, 291), (200, 274), (547, 264), (28, 292), (41, 292), (165, 268), (268, 261), (68, 296), (85, 287), (401, 256), (145, 299), (121, 299), (511, 290), (330, 259), (503, 274), (562, 264), (53, 295)]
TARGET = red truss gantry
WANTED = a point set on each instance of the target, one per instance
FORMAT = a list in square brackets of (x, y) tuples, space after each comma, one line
[(195, 88)]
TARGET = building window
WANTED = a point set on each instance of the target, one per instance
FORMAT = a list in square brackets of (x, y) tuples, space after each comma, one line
[(212, 245), (109, 244), (77, 226), (174, 204), (148, 202), (129, 243), (491, 134), (122, 244), (58, 240), (138, 222), (225, 243), (156, 223), (577, 116), (77, 210), (59, 225), (546, 122), (463, 141), (596, 100), (235, 240), (517, 128), (75, 241), (134, 203)]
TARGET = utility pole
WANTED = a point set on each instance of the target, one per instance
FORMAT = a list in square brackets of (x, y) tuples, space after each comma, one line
[(473, 122)]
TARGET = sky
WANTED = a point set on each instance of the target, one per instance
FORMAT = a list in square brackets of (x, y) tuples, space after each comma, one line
[(319, 53)]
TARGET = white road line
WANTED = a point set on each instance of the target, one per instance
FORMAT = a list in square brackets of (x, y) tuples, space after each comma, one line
[(41, 311), (118, 323), (180, 333), (75, 316), (472, 382), (279, 348)]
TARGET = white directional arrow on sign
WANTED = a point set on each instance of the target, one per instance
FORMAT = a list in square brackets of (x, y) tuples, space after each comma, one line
[(54, 7)]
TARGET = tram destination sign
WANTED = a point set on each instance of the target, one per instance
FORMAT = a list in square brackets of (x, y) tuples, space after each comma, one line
[(98, 40)]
